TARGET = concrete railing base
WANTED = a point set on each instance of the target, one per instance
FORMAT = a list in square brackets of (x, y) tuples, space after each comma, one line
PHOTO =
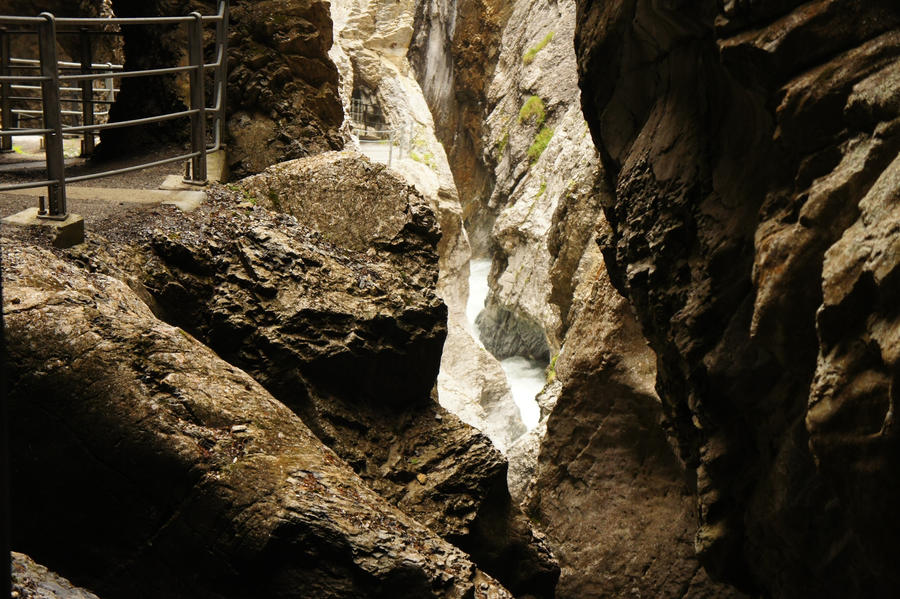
[(66, 233)]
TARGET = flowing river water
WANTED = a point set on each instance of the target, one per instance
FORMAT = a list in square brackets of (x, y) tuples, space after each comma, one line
[(526, 377)]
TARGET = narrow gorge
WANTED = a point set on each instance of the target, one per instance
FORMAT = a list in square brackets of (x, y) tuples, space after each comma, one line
[(533, 299)]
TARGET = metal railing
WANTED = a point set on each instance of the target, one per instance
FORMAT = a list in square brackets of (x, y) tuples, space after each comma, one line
[(52, 83)]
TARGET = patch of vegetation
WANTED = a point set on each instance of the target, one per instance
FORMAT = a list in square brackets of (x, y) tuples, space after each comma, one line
[(529, 56), (501, 145), (543, 188), (551, 369), (426, 158), (540, 144), (533, 107)]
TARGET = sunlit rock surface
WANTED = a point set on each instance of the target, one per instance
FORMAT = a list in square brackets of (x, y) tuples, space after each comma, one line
[(371, 50)]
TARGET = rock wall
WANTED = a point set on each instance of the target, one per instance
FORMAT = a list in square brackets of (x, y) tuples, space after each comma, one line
[(453, 52), (597, 474), (371, 49), (283, 100), (752, 149)]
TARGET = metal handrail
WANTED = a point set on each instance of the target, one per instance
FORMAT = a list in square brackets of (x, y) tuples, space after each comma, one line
[(50, 86)]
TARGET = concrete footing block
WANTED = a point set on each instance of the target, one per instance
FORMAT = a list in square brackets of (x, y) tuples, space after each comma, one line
[(66, 233)]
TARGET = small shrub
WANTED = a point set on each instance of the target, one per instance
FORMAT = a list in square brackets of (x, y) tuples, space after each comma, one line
[(540, 144), (542, 189), (529, 56), (533, 107)]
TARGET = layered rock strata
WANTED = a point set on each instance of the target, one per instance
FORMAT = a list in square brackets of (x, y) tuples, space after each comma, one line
[(751, 148), (192, 480)]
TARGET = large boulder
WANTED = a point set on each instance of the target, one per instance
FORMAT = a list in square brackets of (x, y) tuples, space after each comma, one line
[(349, 340), (751, 146), (353, 201), (182, 476)]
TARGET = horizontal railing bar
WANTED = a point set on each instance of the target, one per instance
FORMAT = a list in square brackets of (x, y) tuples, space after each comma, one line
[(28, 185), (122, 20), (144, 73), (14, 78), (66, 100), (96, 90), (69, 65), (16, 132), (143, 121), (65, 112), (130, 169), (23, 20)]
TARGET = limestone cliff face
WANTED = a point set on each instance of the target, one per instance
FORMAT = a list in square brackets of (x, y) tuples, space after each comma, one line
[(454, 51), (371, 50), (752, 150), (597, 474)]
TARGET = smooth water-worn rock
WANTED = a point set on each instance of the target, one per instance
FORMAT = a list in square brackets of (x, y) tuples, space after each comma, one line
[(609, 489), (182, 476), (751, 148)]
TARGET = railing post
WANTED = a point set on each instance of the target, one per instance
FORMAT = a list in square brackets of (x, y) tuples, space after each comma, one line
[(5, 89), (198, 101), (53, 141), (221, 87), (87, 92)]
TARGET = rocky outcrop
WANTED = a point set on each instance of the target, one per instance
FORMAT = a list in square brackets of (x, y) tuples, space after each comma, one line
[(192, 480), (31, 580), (751, 148), (350, 341), (282, 86)]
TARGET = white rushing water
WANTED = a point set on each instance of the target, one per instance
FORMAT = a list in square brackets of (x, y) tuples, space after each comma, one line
[(526, 377)]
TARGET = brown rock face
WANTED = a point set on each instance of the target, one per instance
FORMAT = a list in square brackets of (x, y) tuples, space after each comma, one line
[(31, 580), (282, 88), (609, 491), (350, 341), (182, 476), (751, 148)]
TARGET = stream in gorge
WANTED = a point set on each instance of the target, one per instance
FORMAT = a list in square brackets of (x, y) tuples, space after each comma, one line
[(526, 377)]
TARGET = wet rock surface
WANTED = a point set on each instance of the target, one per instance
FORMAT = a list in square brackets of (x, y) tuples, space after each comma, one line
[(193, 480), (750, 149)]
